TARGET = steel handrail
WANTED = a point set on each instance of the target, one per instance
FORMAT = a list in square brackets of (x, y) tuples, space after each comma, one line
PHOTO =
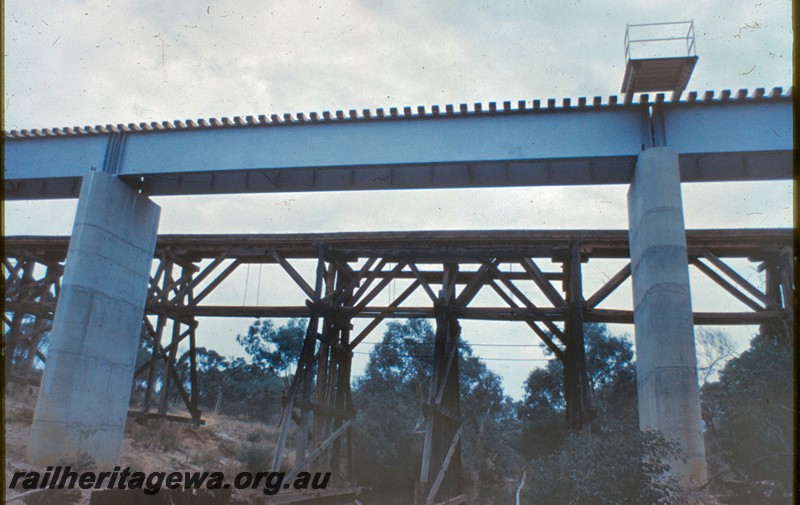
[(690, 37)]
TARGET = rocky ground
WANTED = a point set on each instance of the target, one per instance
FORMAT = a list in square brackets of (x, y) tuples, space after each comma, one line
[(223, 444)]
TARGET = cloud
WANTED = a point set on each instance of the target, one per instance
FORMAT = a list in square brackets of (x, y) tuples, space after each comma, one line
[(96, 62), (100, 62)]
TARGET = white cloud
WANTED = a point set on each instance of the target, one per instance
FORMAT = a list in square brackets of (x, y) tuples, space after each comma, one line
[(96, 62)]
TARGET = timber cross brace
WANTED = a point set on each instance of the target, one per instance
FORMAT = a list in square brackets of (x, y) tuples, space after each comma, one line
[(350, 273)]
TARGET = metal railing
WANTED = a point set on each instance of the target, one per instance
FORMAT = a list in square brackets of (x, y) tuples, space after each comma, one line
[(691, 47)]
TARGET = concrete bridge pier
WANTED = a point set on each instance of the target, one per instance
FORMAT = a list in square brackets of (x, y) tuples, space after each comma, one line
[(666, 362), (85, 390)]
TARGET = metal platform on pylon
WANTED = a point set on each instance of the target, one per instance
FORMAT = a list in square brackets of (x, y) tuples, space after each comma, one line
[(661, 64)]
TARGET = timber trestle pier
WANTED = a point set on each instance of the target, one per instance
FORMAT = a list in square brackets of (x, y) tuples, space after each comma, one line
[(351, 272)]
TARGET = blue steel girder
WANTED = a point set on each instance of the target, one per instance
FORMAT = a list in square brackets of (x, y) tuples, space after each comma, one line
[(728, 138)]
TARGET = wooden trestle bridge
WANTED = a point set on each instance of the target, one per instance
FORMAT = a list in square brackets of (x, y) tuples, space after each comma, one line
[(352, 269)]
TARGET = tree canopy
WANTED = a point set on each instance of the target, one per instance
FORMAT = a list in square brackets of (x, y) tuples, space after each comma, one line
[(748, 413), (273, 349)]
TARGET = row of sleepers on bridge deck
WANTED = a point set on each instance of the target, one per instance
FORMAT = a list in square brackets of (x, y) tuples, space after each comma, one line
[(420, 112)]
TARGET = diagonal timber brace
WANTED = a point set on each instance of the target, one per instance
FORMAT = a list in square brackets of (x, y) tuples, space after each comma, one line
[(440, 471), (320, 389)]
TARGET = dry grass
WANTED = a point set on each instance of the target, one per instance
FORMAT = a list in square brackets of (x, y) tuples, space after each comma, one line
[(224, 444)]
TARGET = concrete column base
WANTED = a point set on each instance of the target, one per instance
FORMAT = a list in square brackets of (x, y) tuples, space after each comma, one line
[(666, 362), (85, 391)]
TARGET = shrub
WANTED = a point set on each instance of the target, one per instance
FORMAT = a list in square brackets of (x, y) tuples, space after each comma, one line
[(613, 470)]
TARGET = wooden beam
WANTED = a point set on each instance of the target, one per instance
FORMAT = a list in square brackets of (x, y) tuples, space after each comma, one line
[(609, 287), (423, 282), (465, 276), (315, 496), (296, 277), (714, 276), (367, 281), (474, 246), (199, 277), (172, 284), (451, 357), (375, 322), (315, 453), (436, 408), (324, 409), (544, 284), (377, 289), (184, 395), (195, 398), (42, 309), (577, 391), (474, 285), (154, 288), (163, 352), (455, 500), (440, 476), (529, 304), (303, 366), (347, 291), (700, 318), (217, 281), (541, 333), (738, 279)]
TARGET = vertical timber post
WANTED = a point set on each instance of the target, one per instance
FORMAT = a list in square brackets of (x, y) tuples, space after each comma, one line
[(326, 372), (779, 273), (303, 377), (577, 394), (83, 399), (14, 335), (440, 473), (161, 322), (666, 362), (166, 378)]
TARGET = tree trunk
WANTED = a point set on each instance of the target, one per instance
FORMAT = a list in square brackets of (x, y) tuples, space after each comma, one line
[(521, 484), (218, 404)]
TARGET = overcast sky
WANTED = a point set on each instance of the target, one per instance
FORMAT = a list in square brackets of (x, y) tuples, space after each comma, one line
[(93, 62)]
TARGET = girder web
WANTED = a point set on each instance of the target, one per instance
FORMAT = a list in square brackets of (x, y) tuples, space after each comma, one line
[(350, 274)]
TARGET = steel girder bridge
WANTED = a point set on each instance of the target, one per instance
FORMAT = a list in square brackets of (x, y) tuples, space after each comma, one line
[(731, 137), (725, 137)]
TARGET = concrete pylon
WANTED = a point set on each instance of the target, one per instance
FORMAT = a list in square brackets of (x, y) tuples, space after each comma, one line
[(85, 391), (666, 362)]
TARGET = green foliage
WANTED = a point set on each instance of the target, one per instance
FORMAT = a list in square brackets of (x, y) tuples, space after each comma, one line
[(749, 415), (612, 376), (235, 387), (273, 349), (144, 352), (211, 370), (388, 395), (491, 457), (613, 463), (619, 469), (250, 391), (490, 428), (544, 388), (390, 425)]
